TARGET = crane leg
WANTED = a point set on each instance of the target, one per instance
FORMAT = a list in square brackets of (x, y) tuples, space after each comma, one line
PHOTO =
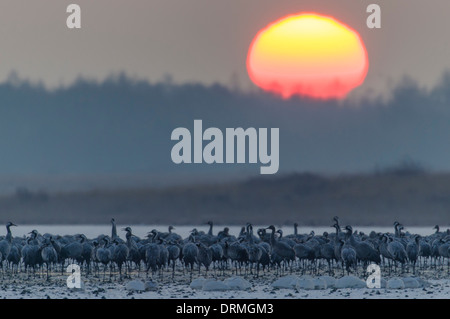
[(173, 271)]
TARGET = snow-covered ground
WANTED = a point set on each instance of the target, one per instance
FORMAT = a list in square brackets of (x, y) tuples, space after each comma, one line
[(112, 290)]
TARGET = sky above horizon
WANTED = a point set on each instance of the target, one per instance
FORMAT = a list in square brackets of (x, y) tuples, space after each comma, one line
[(206, 41)]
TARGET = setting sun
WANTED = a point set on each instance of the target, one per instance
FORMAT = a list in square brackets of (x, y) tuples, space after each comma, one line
[(307, 55)]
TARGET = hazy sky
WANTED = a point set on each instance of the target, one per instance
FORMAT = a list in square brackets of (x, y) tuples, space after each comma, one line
[(123, 127), (204, 40)]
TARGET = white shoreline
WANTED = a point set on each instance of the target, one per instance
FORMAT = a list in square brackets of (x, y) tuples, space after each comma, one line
[(439, 289)]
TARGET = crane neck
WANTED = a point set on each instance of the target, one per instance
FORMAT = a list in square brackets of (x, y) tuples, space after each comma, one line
[(8, 234), (128, 236), (210, 231), (272, 237), (396, 231), (336, 238), (250, 235), (113, 231)]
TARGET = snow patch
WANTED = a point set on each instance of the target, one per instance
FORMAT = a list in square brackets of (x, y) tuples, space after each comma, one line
[(287, 282), (215, 285), (330, 281), (237, 283), (395, 283), (135, 285), (350, 282), (307, 284)]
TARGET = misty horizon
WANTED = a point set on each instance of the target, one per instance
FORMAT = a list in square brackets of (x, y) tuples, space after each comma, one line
[(122, 127)]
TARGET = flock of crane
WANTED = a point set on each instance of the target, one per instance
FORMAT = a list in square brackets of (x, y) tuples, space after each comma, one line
[(339, 251)]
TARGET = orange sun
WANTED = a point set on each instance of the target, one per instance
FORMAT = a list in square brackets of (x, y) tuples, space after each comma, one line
[(309, 55)]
